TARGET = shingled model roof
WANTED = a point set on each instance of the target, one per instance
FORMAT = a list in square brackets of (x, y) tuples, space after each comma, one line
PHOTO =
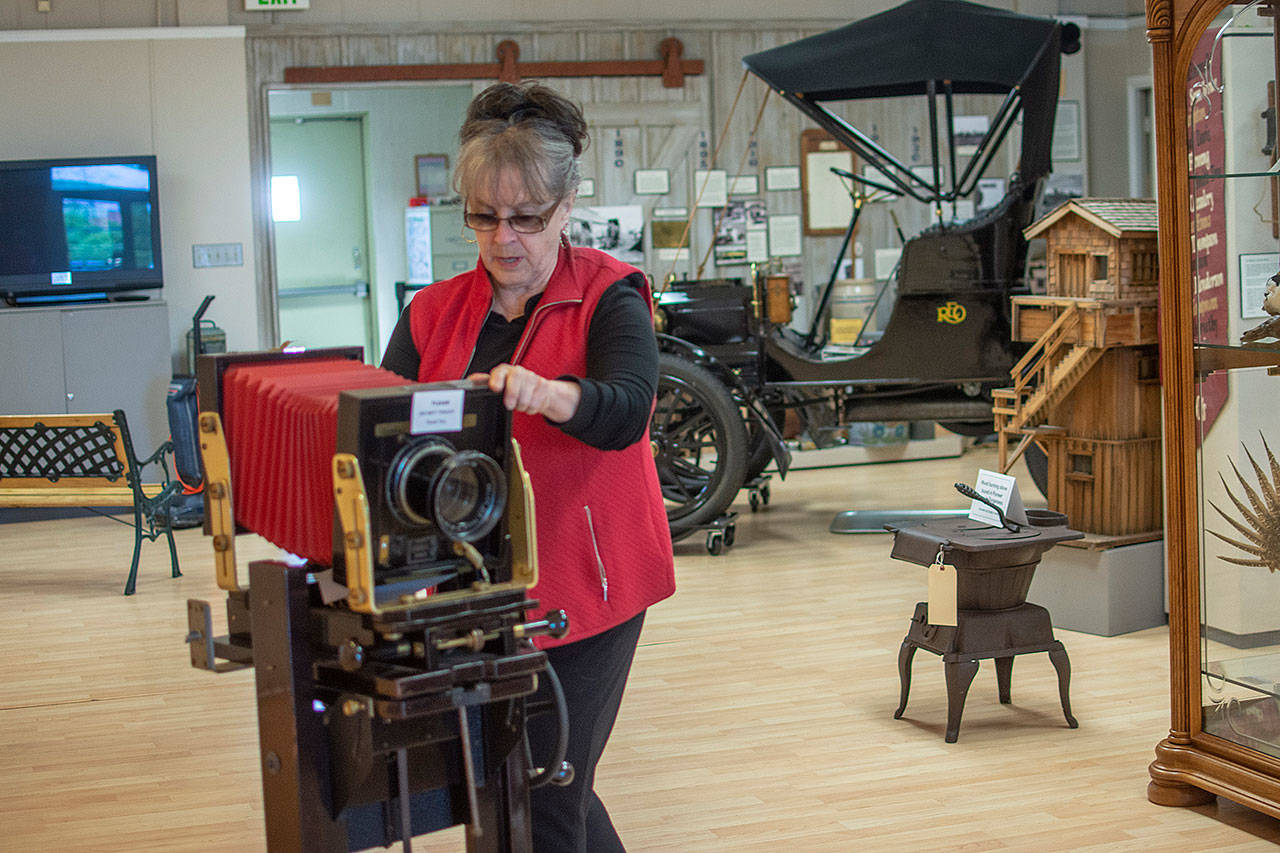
[(1116, 216)]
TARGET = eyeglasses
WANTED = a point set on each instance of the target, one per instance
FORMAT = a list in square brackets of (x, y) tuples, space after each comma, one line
[(522, 223)]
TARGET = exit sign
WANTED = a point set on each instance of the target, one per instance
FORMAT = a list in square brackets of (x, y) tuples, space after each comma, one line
[(275, 5)]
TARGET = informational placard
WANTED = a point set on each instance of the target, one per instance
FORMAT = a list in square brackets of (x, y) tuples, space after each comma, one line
[(417, 241), (886, 261), (990, 193), (744, 185), (1066, 132), (784, 235), (781, 178), (1001, 490), (828, 203), (711, 187), (960, 210), (1255, 271), (436, 411), (652, 182), (877, 176)]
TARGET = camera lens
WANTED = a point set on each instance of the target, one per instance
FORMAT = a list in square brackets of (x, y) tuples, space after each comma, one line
[(460, 493), (469, 495)]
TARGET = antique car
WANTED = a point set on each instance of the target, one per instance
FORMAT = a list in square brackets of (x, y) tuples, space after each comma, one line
[(730, 374)]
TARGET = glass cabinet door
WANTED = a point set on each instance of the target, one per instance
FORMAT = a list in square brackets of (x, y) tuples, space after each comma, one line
[(1235, 246)]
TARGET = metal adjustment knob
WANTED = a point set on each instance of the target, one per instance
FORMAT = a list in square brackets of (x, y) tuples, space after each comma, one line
[(563, 775)]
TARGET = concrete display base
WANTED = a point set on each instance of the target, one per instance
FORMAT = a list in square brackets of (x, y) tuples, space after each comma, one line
[(1105, 592)]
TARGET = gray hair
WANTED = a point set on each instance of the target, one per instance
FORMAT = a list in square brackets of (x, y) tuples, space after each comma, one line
[(528, 128)]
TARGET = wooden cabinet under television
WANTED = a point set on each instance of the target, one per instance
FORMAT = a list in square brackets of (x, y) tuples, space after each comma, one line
[(1214, 67)]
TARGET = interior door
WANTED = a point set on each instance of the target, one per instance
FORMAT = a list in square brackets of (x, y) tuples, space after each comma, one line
[(321, 234)]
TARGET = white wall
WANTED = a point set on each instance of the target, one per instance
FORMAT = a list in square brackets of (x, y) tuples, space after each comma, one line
[(179, 94), (1120, 48)]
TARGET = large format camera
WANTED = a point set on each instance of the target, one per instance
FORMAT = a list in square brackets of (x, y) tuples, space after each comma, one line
[(433, 465), (393, 658)]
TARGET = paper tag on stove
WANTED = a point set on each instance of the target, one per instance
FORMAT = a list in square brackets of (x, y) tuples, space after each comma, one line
[(436, 411), (942, 594)]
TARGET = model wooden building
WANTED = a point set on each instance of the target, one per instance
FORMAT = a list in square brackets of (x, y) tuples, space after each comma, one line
[(1087, 392)]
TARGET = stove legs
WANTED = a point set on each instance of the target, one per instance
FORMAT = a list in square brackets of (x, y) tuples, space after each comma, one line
[(997, 635), (1060, 662), (1004, 677), (959, 676), (905, 654)]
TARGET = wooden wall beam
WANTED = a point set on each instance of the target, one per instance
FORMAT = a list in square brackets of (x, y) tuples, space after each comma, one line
[(672, 68)]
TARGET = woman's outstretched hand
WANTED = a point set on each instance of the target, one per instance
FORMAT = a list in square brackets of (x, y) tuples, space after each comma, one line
[(525, 391)]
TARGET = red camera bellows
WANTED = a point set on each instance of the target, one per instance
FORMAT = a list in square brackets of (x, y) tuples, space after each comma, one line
[(283, 419)]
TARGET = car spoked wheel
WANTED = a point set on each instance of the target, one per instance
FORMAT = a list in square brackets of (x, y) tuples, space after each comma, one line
[(699, 444)]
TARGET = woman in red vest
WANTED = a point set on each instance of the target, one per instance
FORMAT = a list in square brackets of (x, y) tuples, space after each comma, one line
[(566, 335)]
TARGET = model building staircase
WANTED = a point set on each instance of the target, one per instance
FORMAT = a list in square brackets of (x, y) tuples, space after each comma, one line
[(1042, 378)]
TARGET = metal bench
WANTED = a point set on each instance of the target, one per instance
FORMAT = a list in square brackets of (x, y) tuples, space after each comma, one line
[(87, 461)]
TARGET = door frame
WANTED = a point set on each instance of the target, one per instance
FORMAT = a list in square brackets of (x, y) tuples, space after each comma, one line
[(264, 225), (370, 307)]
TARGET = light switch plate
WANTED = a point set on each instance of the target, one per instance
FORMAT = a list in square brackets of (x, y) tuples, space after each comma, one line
[(217, 255)]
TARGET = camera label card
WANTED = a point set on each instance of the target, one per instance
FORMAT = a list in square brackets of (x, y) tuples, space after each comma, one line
[(436, 411)]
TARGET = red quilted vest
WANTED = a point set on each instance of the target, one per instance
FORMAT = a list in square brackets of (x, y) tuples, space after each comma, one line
[(604, 546)]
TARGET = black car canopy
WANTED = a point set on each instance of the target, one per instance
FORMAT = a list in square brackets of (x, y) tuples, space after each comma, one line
[(929, 47)]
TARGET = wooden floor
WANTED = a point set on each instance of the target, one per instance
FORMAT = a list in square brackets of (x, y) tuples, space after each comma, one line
[(758, 717)]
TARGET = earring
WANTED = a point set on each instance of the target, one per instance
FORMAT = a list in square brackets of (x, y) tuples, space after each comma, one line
[(463, 233)]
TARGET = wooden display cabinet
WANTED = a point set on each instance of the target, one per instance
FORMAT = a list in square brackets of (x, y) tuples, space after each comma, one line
[(1216, 145)]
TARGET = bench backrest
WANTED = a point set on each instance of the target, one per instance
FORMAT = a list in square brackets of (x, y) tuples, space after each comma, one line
[(74, 453)]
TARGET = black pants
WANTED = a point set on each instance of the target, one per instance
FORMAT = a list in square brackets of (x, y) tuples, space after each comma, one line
[(593, 673)]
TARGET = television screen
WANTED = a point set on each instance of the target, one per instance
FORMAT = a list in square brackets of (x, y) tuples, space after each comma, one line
[(78, 228)]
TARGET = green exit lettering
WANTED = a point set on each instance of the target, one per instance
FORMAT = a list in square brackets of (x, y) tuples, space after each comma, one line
[(261, 5)]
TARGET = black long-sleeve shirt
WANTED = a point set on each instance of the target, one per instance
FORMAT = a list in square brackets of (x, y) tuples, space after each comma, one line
[(622, 363)]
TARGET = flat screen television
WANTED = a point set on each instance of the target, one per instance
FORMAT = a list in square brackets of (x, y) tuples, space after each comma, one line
[(78, 228)]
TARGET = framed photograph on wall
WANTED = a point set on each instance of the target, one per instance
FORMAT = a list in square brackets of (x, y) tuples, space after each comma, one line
[(432, 173)]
